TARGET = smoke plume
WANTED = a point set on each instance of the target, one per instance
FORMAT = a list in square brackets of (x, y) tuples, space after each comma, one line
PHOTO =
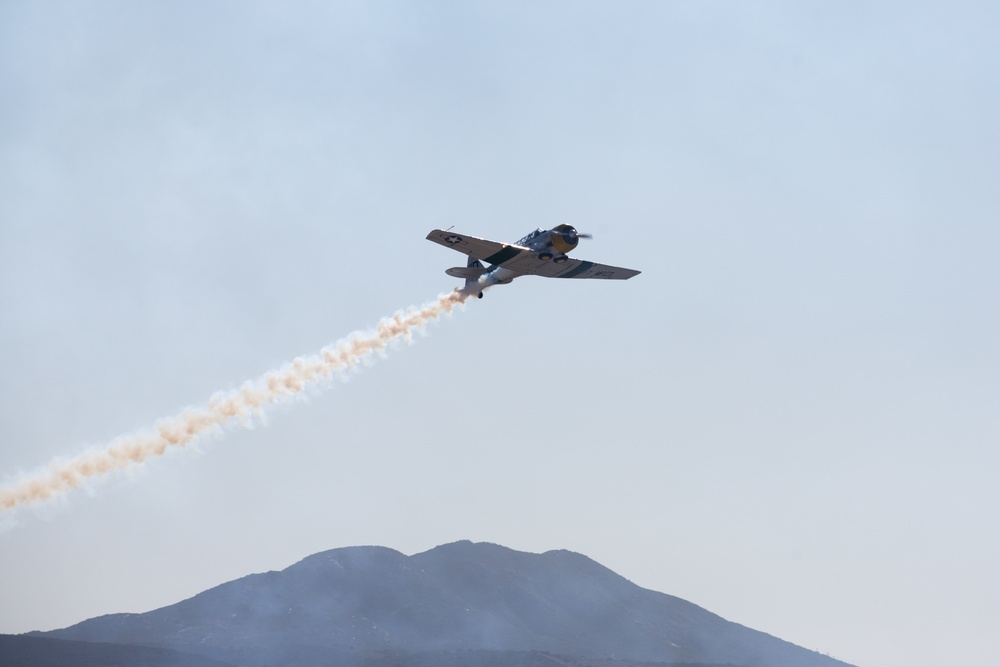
[(234, 407)]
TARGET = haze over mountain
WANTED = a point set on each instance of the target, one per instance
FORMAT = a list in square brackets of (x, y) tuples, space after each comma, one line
[(376, 606)]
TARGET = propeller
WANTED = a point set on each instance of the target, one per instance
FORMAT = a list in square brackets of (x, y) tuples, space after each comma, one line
[(569, 232)]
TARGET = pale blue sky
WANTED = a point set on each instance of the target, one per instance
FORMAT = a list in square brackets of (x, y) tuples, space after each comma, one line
[(790, 418)]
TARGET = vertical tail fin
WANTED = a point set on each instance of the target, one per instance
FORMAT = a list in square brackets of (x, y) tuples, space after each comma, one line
[(472, 272), (473, 263)]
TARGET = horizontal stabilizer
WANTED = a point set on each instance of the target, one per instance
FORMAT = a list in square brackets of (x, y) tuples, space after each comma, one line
[(467, 272)]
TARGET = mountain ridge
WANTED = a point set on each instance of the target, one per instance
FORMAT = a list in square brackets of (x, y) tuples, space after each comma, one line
[(462, 596)]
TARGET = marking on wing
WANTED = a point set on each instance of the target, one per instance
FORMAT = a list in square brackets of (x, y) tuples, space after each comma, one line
[(572, 273), (507, 253)]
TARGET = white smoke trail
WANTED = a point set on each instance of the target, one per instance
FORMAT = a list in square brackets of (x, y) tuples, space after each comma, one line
[(236, 406)]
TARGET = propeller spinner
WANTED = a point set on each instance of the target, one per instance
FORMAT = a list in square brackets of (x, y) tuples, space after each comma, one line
[(565, 238)]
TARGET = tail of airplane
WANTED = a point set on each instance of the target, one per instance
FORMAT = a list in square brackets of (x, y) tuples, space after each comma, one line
[(472, 272), (475, 264)]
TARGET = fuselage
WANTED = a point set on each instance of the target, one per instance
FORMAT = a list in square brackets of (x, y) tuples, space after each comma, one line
[(497, 276), (550, 244)]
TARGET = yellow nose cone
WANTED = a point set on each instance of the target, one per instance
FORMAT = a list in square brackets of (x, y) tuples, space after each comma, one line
[(564, 238)]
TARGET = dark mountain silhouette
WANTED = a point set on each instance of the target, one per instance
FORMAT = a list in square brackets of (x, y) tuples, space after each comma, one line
[(23, 651), (461, 603)]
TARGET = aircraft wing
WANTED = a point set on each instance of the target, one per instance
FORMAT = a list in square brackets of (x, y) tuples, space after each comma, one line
[(490, 252), (525, 261), (579, 268), (529, 264)]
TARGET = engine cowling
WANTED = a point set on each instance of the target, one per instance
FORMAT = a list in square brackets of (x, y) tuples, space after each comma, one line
[(564, 238)]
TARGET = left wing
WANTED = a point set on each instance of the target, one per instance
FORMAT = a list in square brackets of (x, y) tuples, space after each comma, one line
[(529, 264), (579, 268)]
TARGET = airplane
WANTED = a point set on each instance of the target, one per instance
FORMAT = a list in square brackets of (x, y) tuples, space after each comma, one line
[(540, 253)]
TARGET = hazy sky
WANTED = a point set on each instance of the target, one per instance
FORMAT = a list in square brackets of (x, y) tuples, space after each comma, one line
[(790, 418)]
